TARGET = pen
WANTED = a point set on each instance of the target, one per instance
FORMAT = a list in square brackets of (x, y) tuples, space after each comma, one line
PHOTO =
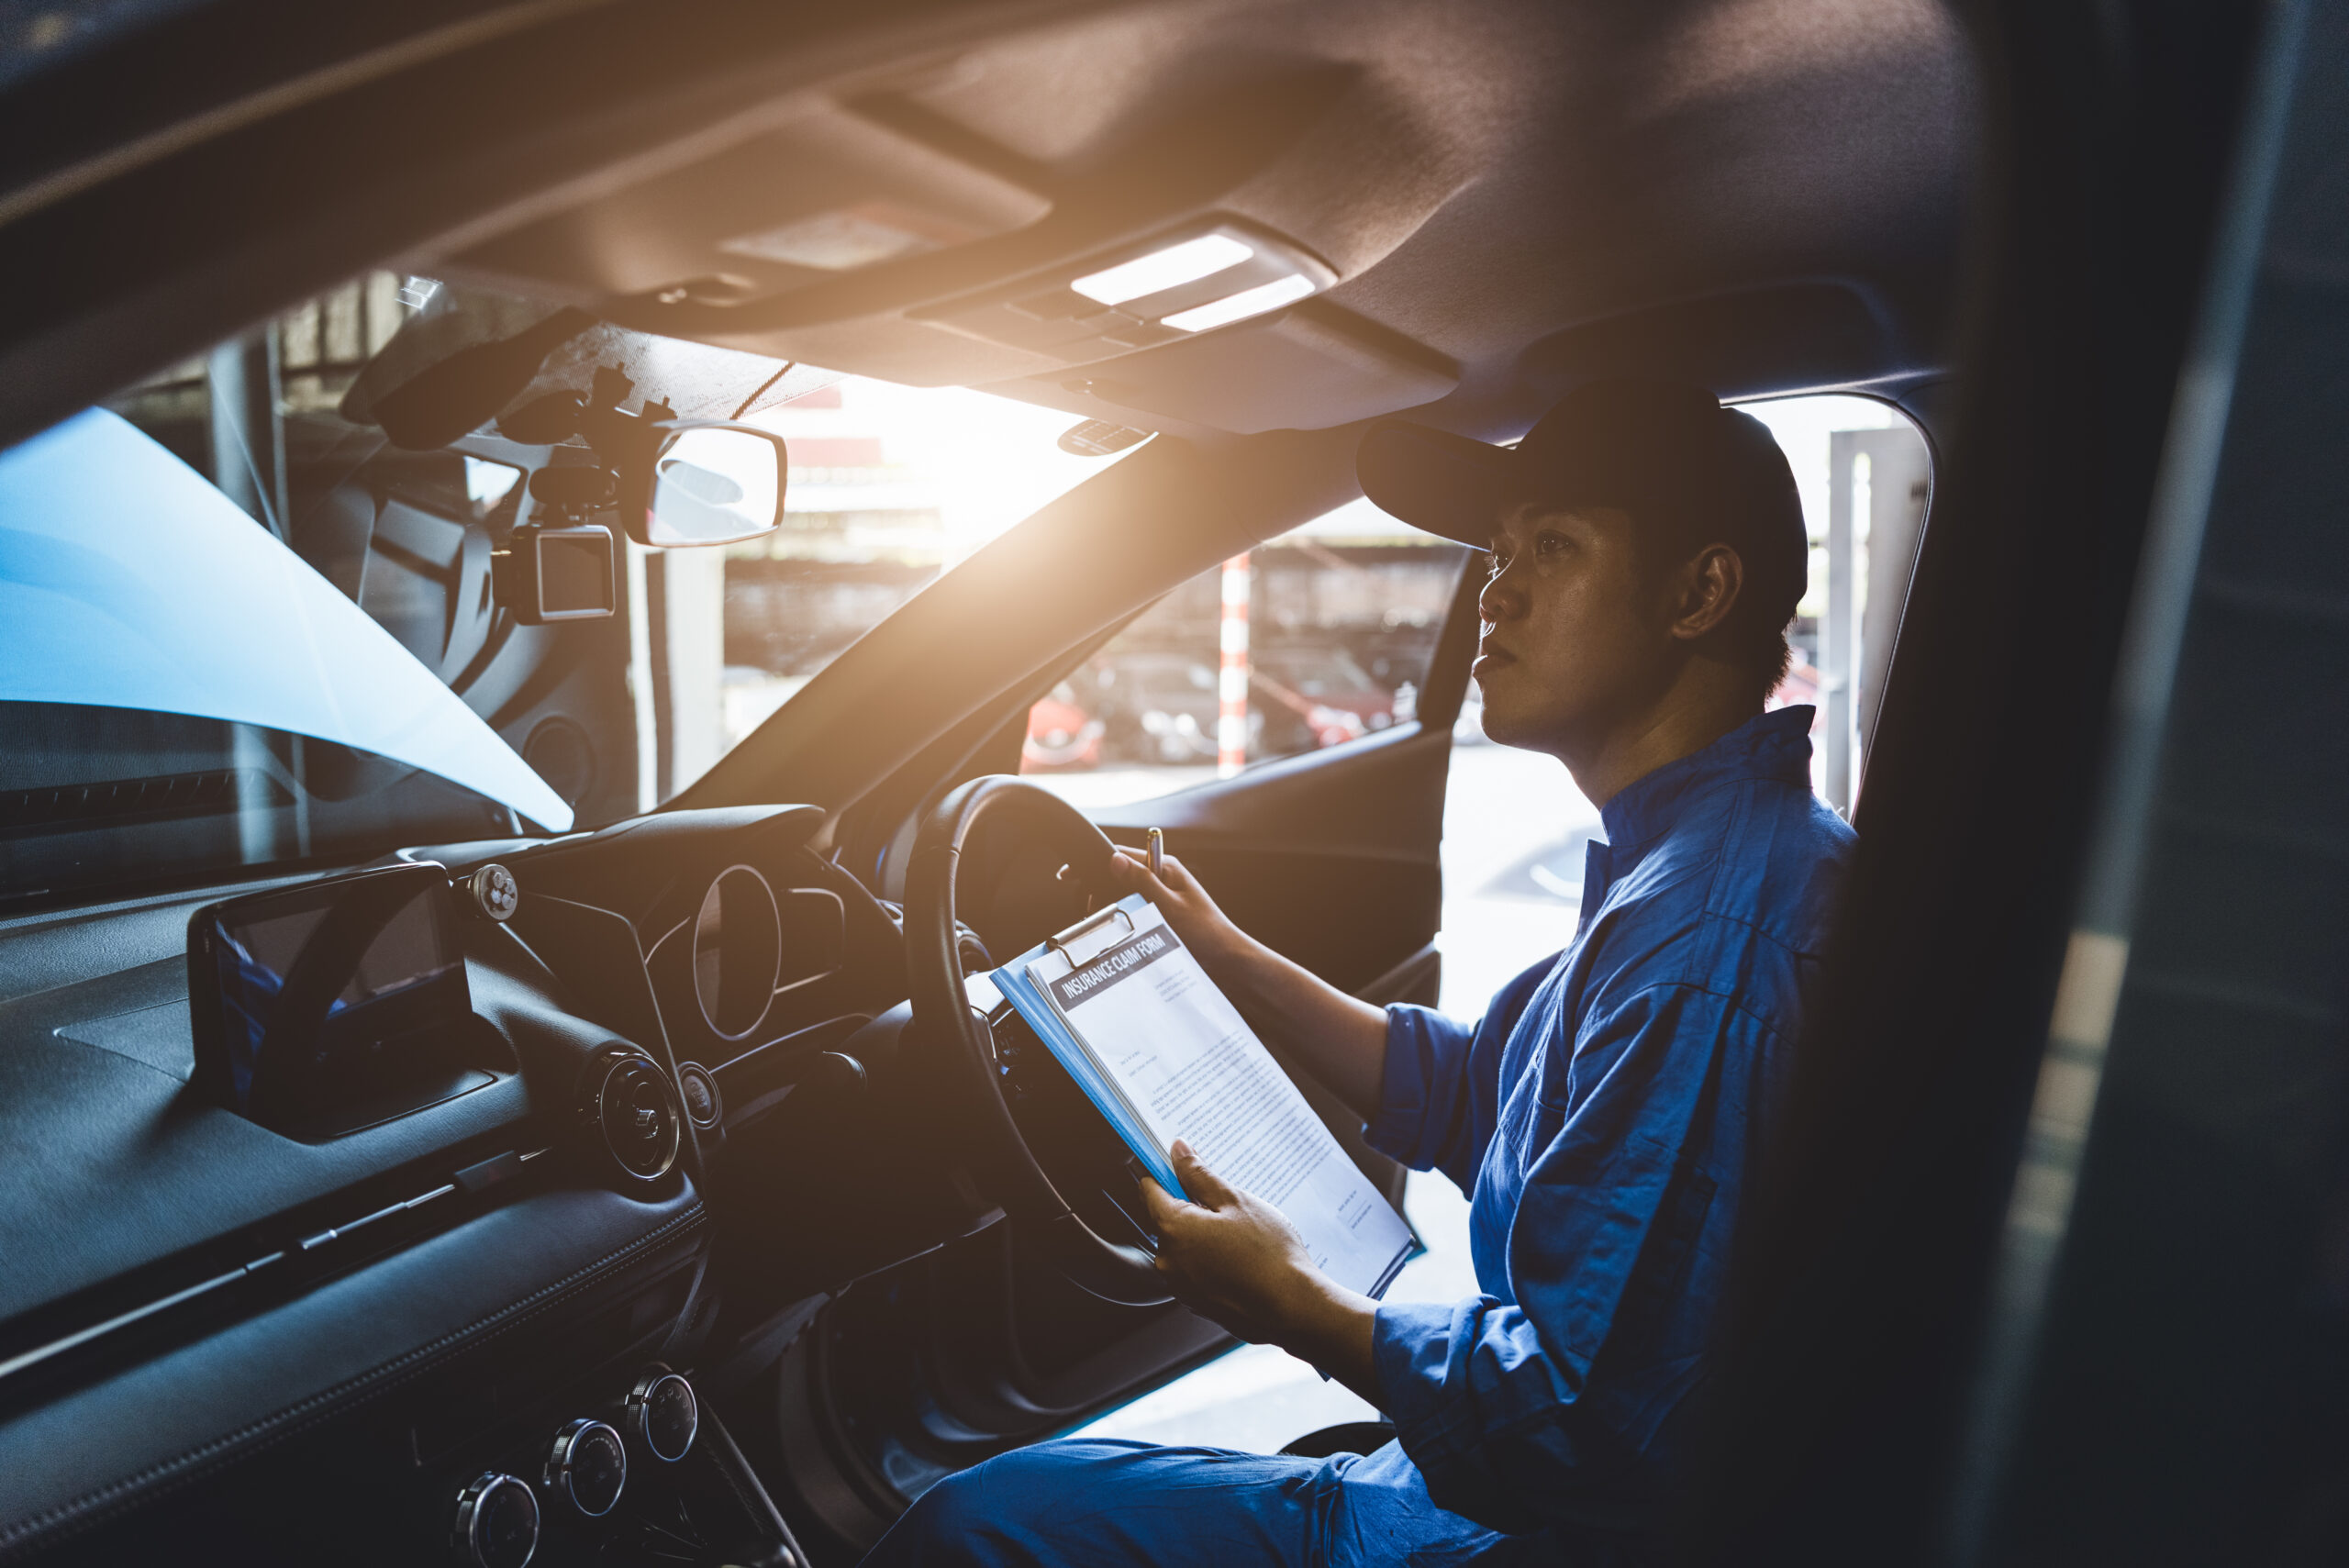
[(1157, 852)]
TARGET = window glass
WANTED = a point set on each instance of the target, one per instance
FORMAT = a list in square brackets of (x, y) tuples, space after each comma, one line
[(1321, 637), (243, 627), (889, 486), (1863, 472)]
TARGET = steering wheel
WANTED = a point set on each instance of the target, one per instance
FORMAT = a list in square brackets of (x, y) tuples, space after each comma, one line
[(958, 1050)]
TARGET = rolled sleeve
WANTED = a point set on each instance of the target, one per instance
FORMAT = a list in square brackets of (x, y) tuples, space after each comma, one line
[(1442, 1080), (1453, 1379), (1423, 1101)]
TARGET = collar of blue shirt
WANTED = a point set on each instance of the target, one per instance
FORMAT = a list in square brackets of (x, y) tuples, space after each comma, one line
[(1776, 745)]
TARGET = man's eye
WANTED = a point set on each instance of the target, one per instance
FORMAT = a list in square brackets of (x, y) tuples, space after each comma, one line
[(1548, 543), (1494, 563)]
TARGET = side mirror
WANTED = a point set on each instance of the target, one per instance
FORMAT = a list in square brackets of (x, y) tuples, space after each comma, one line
[(709, 483)]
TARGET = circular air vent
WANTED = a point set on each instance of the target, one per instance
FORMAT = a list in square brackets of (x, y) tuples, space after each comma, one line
[(631, 1100)]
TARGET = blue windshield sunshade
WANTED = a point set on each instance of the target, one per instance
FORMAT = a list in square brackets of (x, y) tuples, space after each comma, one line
[(127, 580)]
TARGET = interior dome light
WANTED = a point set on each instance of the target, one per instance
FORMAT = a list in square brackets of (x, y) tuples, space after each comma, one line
[(1164, 269), (1240, 307)]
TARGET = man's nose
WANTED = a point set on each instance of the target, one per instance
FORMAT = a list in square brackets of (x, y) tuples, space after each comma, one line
[(1501, 599)]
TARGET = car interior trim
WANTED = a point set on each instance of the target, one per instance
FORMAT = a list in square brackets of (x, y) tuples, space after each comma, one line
[(139, 1314), (179, 1467)]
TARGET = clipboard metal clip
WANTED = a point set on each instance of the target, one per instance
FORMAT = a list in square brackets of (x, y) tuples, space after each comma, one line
[(1065, 939)]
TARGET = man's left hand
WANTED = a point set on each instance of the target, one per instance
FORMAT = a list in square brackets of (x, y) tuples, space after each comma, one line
[(1236, 1260)]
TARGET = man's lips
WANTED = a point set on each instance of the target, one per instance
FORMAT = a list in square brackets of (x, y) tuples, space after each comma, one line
[(1490, 657)]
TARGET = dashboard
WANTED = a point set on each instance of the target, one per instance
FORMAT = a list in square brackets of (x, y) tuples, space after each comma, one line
[(473, 1297)]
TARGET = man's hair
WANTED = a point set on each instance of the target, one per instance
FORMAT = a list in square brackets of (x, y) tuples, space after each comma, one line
[(1664, 544)]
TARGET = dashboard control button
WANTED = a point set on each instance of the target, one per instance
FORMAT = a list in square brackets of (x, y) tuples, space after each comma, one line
[(497, 1522), (664, 1415), (589, 1466), (495, 892), (700, 1090), (837, 1072), (629, 1100)]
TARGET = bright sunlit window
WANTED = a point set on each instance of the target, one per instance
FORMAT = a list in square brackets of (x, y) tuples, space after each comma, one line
[(889, 486)]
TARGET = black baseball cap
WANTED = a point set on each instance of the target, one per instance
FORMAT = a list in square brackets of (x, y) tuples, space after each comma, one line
[(1666, 452)]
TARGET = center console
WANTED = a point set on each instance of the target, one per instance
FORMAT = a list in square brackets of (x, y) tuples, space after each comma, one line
[(648, 1474)]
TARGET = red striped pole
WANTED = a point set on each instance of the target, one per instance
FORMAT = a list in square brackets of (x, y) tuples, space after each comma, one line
[(1231, 717)]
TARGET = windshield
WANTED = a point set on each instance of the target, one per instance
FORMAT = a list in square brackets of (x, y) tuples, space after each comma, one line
[(240, 628)]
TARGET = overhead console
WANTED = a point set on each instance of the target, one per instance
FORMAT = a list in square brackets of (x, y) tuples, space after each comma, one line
[(980, 223), (1190, 280)]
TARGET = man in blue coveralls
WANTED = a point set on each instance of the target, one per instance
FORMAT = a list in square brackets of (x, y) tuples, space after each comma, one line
[(1608, 1114)]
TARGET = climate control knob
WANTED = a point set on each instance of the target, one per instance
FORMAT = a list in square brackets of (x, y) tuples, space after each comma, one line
[(662, 1413), (587, 1467), (497, 1522)]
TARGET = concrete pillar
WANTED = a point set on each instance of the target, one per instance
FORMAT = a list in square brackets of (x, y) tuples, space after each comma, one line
[(1839, 630), (1877, 482), (1899, 477), (1231, 719), (693, 602)]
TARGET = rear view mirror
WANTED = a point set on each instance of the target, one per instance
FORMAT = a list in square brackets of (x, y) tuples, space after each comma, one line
[(711, 483)]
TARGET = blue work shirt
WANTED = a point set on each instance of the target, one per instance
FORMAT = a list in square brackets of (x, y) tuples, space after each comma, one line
[(1607, 1116)]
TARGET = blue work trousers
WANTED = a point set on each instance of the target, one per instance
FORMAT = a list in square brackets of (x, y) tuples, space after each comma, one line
[(1100, 1503)]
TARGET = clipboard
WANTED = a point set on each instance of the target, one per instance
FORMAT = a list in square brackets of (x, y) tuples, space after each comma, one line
[(1078, 945), (1152, 1047), (1066, 943)]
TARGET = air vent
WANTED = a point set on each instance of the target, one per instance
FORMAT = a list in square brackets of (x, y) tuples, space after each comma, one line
[(213, 792), (627, 1099)]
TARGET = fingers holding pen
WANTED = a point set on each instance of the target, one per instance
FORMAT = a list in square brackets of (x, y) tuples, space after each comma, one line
[(1185, 903), (1133, 872)]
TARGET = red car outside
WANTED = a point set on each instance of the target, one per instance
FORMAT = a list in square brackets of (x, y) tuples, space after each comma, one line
[(1061, 735)]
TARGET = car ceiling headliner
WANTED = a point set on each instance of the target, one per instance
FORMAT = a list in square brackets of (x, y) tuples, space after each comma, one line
[(1762, 195)]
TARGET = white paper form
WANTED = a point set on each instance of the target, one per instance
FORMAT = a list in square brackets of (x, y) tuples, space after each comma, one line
[(1177, 1052)]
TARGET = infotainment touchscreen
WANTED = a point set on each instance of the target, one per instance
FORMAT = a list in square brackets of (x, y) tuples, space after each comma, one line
[(322, 1007)]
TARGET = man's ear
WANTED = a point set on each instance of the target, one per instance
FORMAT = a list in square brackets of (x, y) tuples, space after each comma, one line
[(1706, 590)]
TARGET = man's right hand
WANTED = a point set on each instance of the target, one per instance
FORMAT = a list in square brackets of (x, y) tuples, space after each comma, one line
[(1343, 1042), (1206, 929)]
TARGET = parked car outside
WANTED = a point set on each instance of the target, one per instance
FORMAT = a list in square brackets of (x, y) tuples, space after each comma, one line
[(1317, 697), (1156, 705), (1061, 735)]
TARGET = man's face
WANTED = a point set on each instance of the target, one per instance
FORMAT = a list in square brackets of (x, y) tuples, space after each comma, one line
[(1576, 638)]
